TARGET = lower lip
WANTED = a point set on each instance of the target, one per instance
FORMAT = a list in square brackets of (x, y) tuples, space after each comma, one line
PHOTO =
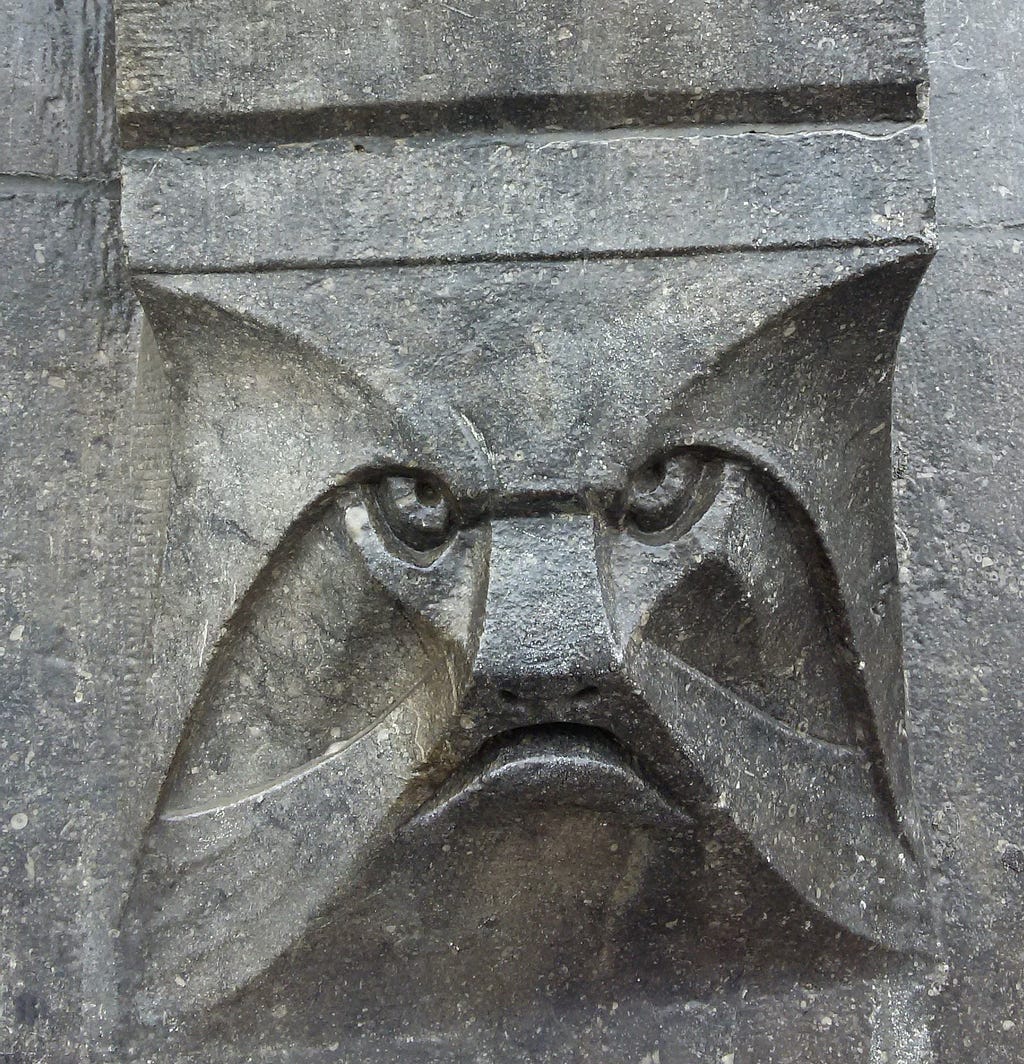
[(555, 767)]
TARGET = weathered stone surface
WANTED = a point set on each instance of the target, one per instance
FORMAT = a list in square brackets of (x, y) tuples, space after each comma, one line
[(977, 111), (523, 678), (56, 69), (959, 417), (959, 408), (66, 656)]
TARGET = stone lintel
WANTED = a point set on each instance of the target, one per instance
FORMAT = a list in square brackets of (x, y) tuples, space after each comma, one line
[(381, 200)]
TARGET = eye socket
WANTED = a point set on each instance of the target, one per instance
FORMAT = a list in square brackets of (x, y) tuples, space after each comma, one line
[(416, 511), (670, 494)]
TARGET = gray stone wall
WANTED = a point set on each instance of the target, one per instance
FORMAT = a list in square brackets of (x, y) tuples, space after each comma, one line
[(960, 418), (81, 523), (70, 655)]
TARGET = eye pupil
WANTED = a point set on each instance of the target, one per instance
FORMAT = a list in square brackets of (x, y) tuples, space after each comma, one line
[(413, 513), (651, 477), (427, 494), (669, 494)]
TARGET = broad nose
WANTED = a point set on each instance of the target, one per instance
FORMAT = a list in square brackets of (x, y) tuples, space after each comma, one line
[(546, 636)]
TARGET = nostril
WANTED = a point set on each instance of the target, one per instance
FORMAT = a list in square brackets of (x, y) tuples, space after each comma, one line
[(506, 694), (586, 694)]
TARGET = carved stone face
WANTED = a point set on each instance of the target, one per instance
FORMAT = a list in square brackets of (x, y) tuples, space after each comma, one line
[(609, 535)]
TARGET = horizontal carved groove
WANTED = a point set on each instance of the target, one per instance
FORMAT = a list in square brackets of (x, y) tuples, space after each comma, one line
[(413, 262), (27, 184), (589, 112)]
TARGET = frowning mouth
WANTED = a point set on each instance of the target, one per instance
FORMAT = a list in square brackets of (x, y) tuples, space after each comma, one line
[(556, 766)]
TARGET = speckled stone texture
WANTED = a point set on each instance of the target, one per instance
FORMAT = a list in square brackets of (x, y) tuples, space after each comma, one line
[(449, 598)]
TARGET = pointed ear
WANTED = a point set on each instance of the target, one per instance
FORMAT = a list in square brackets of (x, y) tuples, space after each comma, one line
[(808, 399)]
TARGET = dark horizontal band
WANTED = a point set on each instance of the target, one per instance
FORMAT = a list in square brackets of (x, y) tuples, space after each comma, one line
[(847, 104)]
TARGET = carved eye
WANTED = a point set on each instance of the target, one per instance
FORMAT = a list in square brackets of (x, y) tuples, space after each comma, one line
[(416, 511), (671, 494)]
